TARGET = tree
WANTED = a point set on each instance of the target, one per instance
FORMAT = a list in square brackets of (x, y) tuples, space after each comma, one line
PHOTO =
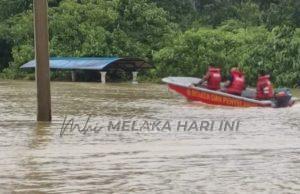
[(9, 8), (281, 13), (248, 13), (181, 12), (189, 54)]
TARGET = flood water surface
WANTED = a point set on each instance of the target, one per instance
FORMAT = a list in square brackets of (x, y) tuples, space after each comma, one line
[(262, 154)]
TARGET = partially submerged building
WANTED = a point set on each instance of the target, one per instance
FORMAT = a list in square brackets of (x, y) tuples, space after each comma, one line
[(100, 64)]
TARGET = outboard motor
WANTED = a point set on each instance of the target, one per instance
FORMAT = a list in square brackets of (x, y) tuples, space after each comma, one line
[(283, 98)]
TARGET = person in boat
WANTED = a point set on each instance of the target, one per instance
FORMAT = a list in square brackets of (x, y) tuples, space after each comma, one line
[(236, 82), (264, 88), (212, 78)]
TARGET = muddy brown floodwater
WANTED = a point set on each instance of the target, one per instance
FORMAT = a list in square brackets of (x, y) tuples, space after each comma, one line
[(262, 156)]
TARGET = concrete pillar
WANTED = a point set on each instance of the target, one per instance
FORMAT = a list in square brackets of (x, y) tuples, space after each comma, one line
[(73, 74), (103, 76), (42, 71), (134, 77)]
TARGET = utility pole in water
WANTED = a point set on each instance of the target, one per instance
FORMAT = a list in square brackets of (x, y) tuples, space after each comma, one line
[(42, 71)]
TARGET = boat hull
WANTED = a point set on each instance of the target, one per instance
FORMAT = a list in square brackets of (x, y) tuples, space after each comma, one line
[(183, 87)]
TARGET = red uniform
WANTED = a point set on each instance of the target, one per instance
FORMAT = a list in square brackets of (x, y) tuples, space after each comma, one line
[(214, 78), (237, 84), (264, 89)]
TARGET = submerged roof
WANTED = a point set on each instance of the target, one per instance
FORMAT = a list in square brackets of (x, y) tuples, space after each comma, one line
[(93, 63)]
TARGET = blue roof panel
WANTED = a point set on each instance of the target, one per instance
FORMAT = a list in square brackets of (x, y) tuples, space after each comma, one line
[(92, 63)]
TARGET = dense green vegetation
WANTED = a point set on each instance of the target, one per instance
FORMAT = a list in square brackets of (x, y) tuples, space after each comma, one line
[(181, 37)]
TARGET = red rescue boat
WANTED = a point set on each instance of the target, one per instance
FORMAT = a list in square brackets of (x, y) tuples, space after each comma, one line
[(183, 86)]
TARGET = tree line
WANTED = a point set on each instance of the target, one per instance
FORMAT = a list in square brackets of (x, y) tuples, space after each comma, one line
[(181, 37)]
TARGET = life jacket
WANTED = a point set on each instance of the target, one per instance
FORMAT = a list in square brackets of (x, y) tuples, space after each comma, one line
[(238, 83), (214, 79), (264, 89)]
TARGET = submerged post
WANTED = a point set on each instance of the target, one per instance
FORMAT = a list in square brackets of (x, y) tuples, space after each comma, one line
[(73, 75), (103, 76), (42, 72), (134, 77)]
